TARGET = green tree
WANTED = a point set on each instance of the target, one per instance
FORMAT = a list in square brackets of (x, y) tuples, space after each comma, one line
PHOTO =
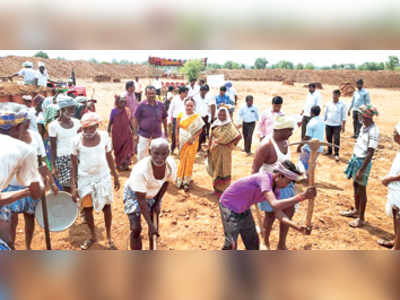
[(284, 64), (309, 66), (114, 61), (93, 60), (192, 69), (41, 54), (371, 66), (325, 68), (260, 63), (299, 66), (392, 63)]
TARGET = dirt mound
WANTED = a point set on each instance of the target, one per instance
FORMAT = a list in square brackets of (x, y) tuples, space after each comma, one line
[(61, 69), (372, 79), (14, 89), (102, 78), (288, 82), (346, 89)]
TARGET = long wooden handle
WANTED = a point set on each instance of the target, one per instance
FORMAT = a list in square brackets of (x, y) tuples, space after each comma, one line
[(154, 237), (45, 217), (311, 182)]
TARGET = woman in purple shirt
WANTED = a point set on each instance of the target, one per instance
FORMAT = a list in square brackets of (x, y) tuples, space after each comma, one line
[(236, 201)]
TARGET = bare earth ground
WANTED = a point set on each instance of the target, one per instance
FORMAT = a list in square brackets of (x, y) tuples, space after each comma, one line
[(192, 221)]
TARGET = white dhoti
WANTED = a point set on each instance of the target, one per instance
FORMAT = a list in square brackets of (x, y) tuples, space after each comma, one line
[(99, 187), (143, 147)]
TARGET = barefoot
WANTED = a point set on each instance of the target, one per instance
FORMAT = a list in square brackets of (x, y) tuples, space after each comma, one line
[(282, 247)]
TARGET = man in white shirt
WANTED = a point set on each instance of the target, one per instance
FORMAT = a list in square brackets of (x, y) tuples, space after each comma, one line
[(16, 159), (314, 98), (145, 189), (27, 72), (193, 89), (175, 108), (335, 121), (231, 92), (31, 112), (157, 85), (360, 164), (205, 106), (41, 75), (138, 89)]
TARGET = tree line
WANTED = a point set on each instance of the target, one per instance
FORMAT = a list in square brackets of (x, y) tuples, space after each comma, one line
[(260, 63)]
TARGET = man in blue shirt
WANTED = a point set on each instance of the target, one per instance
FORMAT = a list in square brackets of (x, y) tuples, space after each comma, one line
[(315, 130), (248, 116), (223, 99), (360, 97)]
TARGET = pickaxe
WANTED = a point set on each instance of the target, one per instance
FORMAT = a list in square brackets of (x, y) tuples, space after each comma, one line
[(314, 145)]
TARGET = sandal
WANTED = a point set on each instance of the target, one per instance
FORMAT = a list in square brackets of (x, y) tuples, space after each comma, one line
[(386, 243), (357, 223), (111, 245), (186, 187), (87, 244), (352, 213)]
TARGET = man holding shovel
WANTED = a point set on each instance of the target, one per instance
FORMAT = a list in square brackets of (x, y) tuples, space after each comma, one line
[(272, 151), (145, 189)]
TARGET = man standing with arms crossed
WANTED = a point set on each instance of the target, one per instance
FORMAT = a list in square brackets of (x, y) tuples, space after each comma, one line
[(360, 97)]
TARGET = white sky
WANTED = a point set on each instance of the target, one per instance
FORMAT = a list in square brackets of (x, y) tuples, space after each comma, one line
[(317, 57)]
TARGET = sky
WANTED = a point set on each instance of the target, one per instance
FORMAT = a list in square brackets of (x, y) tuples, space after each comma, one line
[(317, 57)]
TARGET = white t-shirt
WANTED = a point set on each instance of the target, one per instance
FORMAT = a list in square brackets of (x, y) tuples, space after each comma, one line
[(170, 95), (312, 100), (231, 93), (193, 91), (395, 171), (37, 145), (17, 159), (29, 75), (203, 105), (142, 179), (42, 78), (33, 119), (368, 138), (176, 107), (64, 136), (92, 160), (157, 84)]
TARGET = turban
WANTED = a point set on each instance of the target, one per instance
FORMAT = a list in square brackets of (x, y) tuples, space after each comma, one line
[(11, 115), (228, 84), (27, 64), (65, 101), (283, 122), (368, 111), (40, 64), (27, 98), (398, 128), (81, 99), (90, 119), (280, 168)]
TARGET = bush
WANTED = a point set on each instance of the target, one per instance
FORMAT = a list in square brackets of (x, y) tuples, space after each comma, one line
[(392, 63), (309, 66), (41, 54), (299, 67), (192, 69), (260, 63)]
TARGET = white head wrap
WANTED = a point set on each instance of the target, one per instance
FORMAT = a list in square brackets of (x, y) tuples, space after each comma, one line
[(41, 64), (218, 122), (284, 122), (27, 64)]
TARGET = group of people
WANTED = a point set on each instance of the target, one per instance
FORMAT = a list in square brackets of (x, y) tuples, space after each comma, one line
[(68, 151)]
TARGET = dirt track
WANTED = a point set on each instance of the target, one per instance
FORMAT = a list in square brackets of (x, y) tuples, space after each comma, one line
[(191, 221)]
